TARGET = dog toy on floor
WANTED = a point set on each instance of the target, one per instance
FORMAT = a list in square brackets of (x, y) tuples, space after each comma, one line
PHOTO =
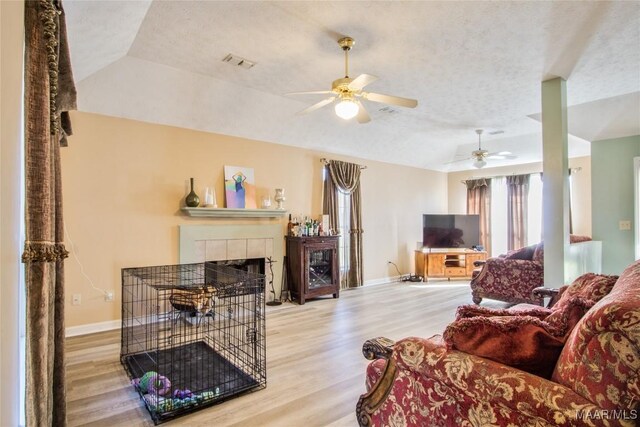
[(182, 394), (153, 383)]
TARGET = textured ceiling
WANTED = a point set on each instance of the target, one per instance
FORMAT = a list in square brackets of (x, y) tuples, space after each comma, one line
[(470, 65)]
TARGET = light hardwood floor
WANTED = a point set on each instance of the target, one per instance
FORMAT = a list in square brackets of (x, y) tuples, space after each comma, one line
[(315, 368)]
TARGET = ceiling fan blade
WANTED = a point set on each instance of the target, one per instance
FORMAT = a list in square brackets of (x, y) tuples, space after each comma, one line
[(389, 99), (313, 92), (363, 115), (458, 161), (318, 105), (361, 81)]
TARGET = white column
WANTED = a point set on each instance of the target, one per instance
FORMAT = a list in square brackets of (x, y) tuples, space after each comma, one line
[(555, 192), (11, 44)]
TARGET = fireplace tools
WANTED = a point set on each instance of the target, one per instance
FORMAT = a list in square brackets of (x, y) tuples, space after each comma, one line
[(276, 299), (284, 290)]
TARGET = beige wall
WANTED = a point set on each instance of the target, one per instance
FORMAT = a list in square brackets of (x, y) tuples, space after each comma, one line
[(124, 182), (581, 189), (11, 43)]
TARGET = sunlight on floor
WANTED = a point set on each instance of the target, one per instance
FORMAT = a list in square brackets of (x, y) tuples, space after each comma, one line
[(441, 285)]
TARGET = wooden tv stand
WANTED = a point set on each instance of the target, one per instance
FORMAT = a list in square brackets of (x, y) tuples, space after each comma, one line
[(447, 263)]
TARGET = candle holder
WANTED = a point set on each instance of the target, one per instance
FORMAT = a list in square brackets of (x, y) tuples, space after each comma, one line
[(210, 198), (279, 198)]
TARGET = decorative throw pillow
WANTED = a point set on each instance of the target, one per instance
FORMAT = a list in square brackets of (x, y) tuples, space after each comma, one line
[(523, 342), (473, 310), (525, 253), (589, 286), (575, 238), (562, 321), (527, 340), (578, 298), (538, 254)]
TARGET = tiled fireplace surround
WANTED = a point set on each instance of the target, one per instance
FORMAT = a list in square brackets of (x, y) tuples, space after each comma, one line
[(199, 243)]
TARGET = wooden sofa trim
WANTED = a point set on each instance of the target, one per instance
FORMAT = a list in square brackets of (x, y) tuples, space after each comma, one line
[(376, 348)]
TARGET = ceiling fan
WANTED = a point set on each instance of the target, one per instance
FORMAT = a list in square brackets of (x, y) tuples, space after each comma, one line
[(481, 156), (348, 92)]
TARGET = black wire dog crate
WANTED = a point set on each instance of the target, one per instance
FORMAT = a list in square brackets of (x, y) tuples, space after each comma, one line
[(192, 335)]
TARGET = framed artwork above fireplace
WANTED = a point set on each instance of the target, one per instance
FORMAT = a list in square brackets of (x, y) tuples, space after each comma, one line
[(239, 187)]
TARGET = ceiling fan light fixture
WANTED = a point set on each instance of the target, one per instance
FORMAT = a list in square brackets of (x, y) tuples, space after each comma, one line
[(347, 109), (347, 92), (479, 163)]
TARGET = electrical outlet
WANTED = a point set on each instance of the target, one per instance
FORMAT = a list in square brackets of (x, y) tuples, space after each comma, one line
[(108, 296), (76, 299), (624, 225)]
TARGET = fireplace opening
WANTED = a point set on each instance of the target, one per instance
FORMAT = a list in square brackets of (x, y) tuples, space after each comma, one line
[(250, 265)]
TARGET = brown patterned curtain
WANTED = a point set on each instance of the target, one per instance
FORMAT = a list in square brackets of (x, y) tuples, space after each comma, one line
[(517, 206), (49, 94), (343, 176), (479, 202)]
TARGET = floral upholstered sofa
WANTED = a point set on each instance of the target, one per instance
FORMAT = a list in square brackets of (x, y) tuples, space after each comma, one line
[(595, 380), (513, 276)]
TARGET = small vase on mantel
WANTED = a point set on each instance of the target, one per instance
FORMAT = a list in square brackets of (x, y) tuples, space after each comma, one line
[(192, 199)]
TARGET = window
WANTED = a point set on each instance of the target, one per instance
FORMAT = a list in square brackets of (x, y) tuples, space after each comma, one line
[(499, 240), (344, 213)]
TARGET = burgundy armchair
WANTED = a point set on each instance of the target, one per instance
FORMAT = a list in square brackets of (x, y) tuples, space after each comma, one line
[(595, 381), (512, 277)]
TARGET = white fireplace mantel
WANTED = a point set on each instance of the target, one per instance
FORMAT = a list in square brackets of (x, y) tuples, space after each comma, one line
[(234, 213)]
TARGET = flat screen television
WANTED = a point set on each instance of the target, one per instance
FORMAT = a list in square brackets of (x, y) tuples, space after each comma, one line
[(450, 231)]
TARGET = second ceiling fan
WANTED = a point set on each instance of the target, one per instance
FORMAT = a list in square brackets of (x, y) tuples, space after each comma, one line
[(348, 92), (480, 156)]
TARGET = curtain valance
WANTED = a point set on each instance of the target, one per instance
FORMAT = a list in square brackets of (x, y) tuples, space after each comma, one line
[(344, 175), (475, 183)]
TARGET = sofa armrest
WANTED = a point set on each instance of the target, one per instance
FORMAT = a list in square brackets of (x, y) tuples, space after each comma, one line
[(479, 262), (543, 292), (377, 348), (482, 380), (552, 293)]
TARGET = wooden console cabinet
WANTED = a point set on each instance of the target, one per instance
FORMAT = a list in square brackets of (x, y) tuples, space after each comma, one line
[(312, 267), (448, 264)]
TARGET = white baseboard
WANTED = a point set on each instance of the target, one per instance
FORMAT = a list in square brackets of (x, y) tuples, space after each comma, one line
[(91, 328), (381, 281)]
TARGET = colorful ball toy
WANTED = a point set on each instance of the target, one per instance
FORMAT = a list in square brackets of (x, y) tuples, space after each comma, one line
[(153, 383)]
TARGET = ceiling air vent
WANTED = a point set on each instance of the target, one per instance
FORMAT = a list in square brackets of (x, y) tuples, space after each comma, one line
[(388, 110), (238, 61)]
